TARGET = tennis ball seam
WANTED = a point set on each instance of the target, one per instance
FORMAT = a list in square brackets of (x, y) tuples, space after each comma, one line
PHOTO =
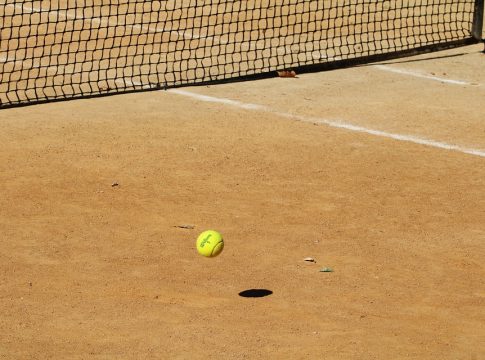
[(215, 247)]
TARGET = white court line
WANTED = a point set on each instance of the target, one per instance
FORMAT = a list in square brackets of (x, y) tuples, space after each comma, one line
[(93, 20), (315, 120), (423, 76), (98, 20), (331, 123), (101, 21), (7, 60)]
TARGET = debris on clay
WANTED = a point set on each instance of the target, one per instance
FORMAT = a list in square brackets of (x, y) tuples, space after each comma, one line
[(185, 226), (287, 74)]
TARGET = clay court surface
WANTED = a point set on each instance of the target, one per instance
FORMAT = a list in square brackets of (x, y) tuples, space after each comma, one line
[(93, 270)]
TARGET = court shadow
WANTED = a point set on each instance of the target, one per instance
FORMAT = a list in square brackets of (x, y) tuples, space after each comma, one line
[(255, 293)]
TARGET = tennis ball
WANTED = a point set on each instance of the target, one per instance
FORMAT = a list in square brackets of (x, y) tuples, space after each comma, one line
[(210, 243)]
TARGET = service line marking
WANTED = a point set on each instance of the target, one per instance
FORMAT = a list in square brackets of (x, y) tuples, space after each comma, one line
[(423, 76), (330, 123), (317, 120), (102, 21), (7, 60)]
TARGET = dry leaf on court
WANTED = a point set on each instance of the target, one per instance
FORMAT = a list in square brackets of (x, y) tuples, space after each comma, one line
[(287, 73)]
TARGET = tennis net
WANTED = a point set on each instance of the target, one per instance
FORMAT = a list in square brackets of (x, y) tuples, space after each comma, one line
[(64, 49)]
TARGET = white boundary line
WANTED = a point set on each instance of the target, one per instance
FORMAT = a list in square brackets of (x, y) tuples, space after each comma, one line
[(423, 76), (98, 20), (316, 120), (7, 60), (330, 123)]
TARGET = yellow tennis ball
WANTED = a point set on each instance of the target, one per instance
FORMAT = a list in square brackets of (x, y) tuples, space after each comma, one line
[(210, 243)]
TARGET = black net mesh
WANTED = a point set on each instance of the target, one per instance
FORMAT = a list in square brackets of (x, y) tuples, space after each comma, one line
[(74, 48)]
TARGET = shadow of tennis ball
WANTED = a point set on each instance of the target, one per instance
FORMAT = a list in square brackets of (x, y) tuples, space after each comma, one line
[(255, 293)]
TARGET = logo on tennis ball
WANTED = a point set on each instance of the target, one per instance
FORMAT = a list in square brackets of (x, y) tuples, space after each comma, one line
[(205, 241), (210, 243)]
